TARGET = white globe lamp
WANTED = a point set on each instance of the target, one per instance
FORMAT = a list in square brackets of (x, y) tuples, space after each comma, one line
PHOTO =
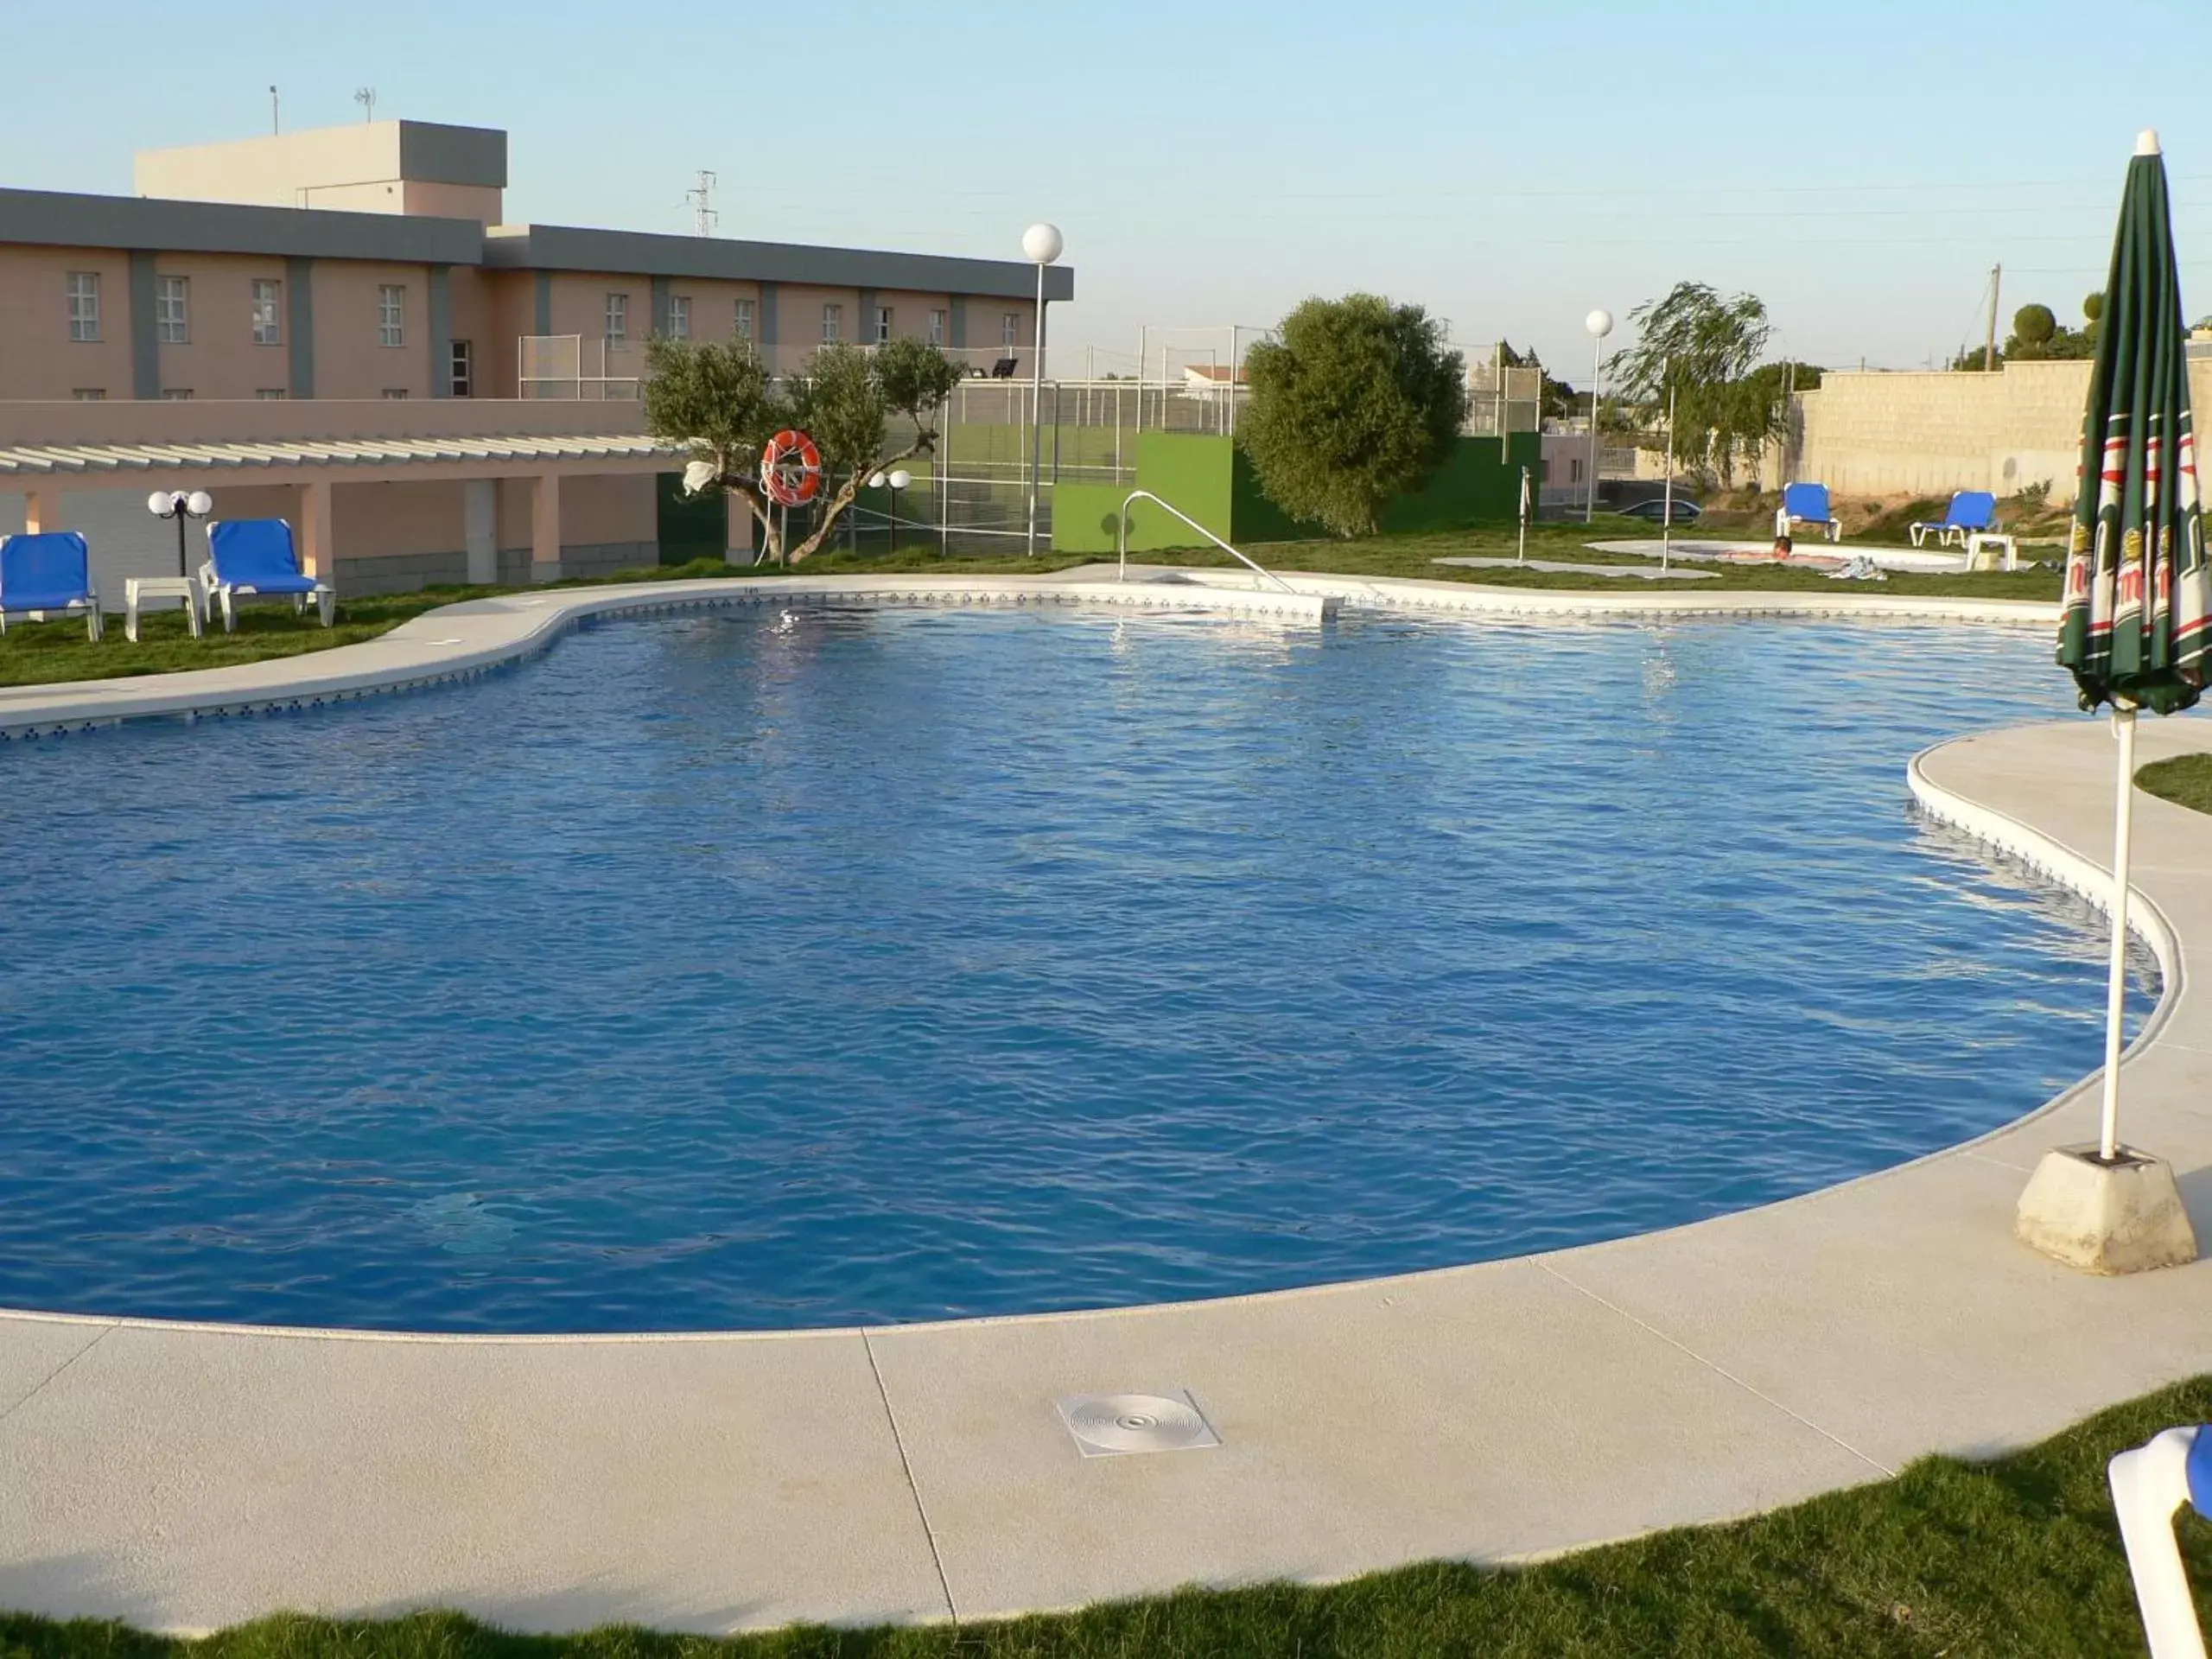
[(199, 503), (901, 479), (161, 504), (1042, 244)]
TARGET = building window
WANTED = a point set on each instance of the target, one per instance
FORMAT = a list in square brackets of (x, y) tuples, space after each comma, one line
[(83, 305), (176, 394), (617, 318), (391, 314), (89, 394), (1574, 470), (745, 319), (1010, 330), (267, 330), (172, 326), (271, 395), (464, 369), (395, 394), (679, 316), (936, 327), (882, 324), (833, 323)]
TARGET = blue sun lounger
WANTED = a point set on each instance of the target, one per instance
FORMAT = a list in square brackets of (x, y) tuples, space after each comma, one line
[(253, 558), (1807, 504), (1970, 511), (46, 573)]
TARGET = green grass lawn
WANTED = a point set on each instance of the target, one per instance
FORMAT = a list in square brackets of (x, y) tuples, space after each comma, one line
[(1995, 1561), (2186, 778), (38, 653)]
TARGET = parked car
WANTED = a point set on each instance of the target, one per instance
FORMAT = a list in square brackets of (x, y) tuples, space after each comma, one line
[(1654, 510)]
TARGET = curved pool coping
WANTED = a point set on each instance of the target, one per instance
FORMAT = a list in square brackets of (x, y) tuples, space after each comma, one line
[(185, 1477)]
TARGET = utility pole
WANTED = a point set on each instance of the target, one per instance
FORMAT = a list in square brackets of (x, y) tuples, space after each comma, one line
[(701, 198), (1989, 350), (275, 124), (366, 97)]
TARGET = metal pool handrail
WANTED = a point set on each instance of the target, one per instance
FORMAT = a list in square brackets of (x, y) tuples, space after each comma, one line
[(1122, 539)]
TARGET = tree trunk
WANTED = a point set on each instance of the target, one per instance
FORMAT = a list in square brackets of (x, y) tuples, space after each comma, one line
[(848, 491)]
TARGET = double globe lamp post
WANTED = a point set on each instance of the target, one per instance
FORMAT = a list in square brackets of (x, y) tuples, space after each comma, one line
[(175, 503)]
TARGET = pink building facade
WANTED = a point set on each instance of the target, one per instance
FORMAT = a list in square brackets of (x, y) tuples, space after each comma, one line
[(332, 272)]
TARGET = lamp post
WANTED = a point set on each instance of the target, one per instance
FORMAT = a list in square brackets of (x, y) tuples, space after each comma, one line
[(1042, 245), (895, 482), (1599, 323), (174, 504)]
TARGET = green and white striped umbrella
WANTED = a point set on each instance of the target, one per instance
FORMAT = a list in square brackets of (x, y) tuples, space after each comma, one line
[(2135, 628)]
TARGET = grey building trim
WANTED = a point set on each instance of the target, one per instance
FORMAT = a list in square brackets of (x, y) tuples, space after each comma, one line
[(562, 247), (958, 321), (299, 324), (864, 329), (543, 320), (440, 331), (145, 345), (763, 326), (54, 219), (432, 153), (659, 305)]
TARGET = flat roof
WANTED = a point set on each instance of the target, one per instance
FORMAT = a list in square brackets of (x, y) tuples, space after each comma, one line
[(566, 247), (60, 219)]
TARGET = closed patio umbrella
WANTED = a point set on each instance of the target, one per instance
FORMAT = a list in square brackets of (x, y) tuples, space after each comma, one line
[(2133, 628)]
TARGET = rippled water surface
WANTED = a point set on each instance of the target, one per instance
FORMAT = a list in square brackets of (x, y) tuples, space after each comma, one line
[(915, 964)]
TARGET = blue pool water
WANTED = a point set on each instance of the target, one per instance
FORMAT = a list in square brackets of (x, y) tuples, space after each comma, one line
[(918, 963)]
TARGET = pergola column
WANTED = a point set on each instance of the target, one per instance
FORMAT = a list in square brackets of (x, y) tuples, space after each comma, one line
[(318, 549), (41, 509), (545, 527)]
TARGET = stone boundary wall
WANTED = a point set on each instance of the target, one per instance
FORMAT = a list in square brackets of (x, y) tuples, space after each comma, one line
[(1930, 433)]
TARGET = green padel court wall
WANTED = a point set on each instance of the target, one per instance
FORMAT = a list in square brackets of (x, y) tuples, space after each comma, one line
[(1212, 480)]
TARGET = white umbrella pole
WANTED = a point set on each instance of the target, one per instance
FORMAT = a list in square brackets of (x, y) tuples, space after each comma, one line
[(2116, 987)]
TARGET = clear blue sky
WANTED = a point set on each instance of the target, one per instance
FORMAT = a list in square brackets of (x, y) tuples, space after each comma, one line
[(1860, 164)]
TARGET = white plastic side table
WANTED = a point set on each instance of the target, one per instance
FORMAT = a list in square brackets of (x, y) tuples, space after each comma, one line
[(137, 588), (1990, 541)]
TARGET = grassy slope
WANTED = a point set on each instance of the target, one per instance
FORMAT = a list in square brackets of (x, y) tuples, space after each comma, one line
[(44, 653), (2186, 778), (2016, 1557)]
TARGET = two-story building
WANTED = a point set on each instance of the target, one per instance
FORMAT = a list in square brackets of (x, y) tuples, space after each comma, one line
[(338, 273)]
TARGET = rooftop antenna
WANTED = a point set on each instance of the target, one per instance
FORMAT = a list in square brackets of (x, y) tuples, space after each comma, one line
[(701, 198), (275, 124), (366, 97)]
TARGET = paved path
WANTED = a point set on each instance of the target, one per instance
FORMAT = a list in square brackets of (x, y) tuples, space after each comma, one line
[(1632, 572), (188, 1476)]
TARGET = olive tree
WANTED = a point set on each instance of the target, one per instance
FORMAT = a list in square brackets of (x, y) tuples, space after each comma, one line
[(1355, 402), (717, 401), (845, 398)]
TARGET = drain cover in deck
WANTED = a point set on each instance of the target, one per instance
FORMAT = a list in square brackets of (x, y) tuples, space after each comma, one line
[(1116, 1425)]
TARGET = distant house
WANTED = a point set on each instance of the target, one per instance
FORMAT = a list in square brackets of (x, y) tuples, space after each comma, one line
[(1213, 380)]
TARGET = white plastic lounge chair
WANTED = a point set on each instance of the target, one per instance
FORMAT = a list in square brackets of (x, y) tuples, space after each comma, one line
[(253, 558), (1971, 510), (46, 573), (1807, 504)]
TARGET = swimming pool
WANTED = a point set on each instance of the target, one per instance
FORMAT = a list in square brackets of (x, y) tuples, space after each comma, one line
[(914, 963)]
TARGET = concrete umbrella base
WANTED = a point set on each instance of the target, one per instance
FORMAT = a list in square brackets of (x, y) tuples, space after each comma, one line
[(2124, 1217)]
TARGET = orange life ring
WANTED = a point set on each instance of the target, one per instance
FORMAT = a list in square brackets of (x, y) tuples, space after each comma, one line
[(791, 469)]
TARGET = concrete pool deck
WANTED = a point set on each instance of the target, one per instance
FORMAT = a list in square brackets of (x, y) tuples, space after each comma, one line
[(188, 1476)]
